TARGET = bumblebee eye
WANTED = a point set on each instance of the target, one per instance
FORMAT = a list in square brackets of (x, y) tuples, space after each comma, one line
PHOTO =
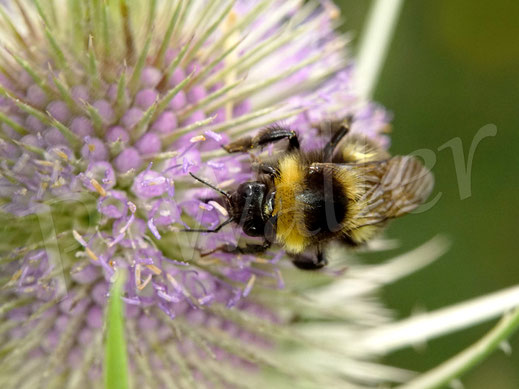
[(251, 228), (245, 190)]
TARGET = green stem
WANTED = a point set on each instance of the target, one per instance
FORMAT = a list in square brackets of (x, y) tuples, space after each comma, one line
[(116, 359), (468, 358)]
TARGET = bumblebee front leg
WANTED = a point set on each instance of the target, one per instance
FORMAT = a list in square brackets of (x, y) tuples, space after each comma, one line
[(247, 249), (266, 168), (263, 138), (308, 261)]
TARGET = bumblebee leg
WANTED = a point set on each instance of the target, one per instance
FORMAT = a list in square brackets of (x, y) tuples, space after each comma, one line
[(309, 262), (344, 128), (263, 138), (247, 249), (266, 168)]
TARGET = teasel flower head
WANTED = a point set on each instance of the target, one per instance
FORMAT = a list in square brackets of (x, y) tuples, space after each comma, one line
[(105, 109)]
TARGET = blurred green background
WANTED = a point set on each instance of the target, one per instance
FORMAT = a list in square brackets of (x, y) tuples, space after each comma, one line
[(453, 67)]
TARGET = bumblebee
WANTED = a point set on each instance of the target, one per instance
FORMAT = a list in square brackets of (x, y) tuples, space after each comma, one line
[(301, 201)]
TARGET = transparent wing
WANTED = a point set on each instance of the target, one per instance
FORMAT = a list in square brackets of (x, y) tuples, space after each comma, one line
[(394, 187), (390, 188)]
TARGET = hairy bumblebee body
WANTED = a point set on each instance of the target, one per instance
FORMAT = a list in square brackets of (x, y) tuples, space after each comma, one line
[(345, 192)]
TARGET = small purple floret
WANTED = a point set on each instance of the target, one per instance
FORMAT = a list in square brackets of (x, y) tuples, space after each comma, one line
[(131, 117), (117, 133), (149, 184), (149, 144), (59, 111), (82, 126), (94, 150), (105, 110), (165, 123), (128, 159), (145, 98)]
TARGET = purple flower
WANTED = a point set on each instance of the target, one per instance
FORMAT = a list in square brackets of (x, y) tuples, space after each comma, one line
[(104, 111)]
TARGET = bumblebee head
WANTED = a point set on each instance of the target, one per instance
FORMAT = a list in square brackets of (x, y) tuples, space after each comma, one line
[(251, 208)]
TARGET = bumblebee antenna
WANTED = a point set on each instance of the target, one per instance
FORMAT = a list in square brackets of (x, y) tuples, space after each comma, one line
[(218, 228), (226, 194)]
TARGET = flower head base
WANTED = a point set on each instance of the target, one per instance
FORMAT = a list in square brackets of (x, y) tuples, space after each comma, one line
[(105, 107)]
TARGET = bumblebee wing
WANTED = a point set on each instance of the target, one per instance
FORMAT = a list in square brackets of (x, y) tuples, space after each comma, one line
[(389, 188), (393, 187)]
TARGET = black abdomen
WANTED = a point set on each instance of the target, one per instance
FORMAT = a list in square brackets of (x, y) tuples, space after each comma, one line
[(325, 204)]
